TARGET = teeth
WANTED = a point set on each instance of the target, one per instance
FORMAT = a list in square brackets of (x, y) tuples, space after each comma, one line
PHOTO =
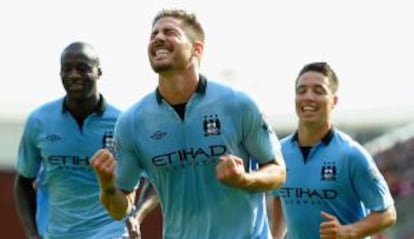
[(308, 108), (160, 52)]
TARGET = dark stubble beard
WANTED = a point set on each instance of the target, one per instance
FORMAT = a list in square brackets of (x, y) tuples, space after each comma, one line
[(168, 67), (161, 68)]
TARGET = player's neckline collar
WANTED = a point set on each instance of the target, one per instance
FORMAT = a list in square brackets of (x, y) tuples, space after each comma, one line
[(201, 88), (325, 140)]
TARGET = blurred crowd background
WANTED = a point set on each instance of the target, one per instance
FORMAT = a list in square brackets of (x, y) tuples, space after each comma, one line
[(394, 155)]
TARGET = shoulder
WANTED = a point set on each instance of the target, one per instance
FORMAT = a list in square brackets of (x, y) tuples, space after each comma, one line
[(44, 114), (350, 146), (112, 110), (225, 93), (287, 139), (46, 110), (139, 109)]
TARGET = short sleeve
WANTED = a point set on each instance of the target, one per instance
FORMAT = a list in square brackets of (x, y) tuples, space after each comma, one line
[(28, 155), (369, 183), (128, 169), (258, 136)]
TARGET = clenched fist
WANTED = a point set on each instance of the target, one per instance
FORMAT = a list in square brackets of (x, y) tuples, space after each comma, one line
[(230, 170), (104, 163)]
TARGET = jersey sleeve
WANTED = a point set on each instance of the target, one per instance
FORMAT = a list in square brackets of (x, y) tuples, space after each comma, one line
[(259, 138), (128, 171), (368, 181), (28, 155)]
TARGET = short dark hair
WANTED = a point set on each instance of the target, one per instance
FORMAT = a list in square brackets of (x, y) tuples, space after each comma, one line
[(189, 20), (78, 46), (323, 68)]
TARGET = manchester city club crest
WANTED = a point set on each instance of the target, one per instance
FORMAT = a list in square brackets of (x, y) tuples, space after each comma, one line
[(108, 141), (328, 171), (211, 125)]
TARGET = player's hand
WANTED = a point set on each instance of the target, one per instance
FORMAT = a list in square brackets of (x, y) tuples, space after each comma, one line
[(230, 171), (134, 229), (103, 163), (331, 228)]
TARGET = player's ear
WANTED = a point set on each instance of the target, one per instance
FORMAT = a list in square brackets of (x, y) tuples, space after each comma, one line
[(99, 71), (198, 48), (335, 101)]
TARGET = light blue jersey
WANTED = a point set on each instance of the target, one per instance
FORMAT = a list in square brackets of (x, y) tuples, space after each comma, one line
[(53, 141), (338, 177), (180, 157)]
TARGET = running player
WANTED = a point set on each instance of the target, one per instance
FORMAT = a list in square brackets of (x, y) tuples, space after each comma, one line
[(59, 138), (193, 138), (333, 187)]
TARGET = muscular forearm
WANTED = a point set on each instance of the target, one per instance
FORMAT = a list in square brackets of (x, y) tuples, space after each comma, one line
[(25, 196), (373, 223), (268, 177), (278, 223), (117, 203)]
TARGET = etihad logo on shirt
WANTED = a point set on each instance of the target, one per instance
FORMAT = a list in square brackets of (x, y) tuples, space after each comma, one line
[(189, 157), (293, 195), (211, 125), (328, 171), (308, 193), (70, 162)]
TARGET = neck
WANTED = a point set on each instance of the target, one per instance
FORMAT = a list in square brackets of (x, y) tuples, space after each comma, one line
[(179, 87), (310, 135), (82, 108)]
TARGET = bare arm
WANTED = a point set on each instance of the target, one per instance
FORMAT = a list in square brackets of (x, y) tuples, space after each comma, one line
[(25, 196), (269, 176), (373, 223), (146, 203), (117, 203), (278, 223), (230, 171)]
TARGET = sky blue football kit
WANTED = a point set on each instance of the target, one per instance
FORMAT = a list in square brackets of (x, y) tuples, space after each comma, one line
[(180, 154), (338, 176), (54, 142)]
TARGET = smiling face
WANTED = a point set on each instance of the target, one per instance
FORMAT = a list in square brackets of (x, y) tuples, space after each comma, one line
[(315, 98), (170, 47), (79, 72)]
